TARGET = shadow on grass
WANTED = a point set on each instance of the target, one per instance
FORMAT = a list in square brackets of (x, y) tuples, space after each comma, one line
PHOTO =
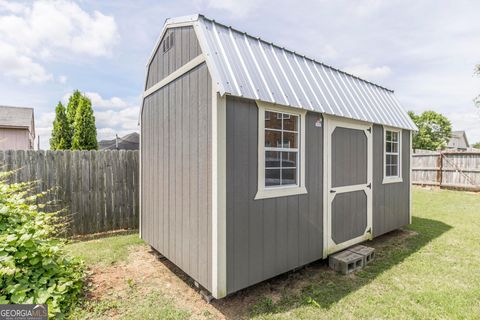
[(318, 286)]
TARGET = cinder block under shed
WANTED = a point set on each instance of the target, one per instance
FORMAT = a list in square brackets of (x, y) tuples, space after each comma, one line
[(367, 253), (345, 262)]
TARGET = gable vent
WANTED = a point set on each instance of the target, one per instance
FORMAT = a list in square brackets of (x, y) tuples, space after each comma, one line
[(168, 43)]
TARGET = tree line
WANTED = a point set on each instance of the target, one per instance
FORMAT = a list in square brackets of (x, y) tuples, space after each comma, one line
[(74, 126)]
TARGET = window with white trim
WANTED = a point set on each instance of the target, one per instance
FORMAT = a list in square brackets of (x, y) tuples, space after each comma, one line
[(281, 152), (281, 149), (392, 159)]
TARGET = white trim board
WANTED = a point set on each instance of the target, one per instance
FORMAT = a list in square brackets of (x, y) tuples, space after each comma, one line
[(398, 178), (175, 75), (219, 196), (281, 191)]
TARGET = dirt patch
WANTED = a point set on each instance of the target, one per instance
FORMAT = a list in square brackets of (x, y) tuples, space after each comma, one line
[(145, 271)]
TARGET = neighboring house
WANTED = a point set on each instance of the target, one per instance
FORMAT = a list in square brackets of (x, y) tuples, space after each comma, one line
[(128, 142), (256, 160), (17, 128), (458, 141)]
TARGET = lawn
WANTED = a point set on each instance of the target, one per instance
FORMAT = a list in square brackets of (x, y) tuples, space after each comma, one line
[(429, 270)]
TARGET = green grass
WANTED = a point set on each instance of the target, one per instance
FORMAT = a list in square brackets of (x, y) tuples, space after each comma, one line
[(430, 272), (105, 251)]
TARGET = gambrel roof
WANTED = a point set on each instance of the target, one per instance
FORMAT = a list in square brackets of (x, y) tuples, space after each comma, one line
[(249, 67)]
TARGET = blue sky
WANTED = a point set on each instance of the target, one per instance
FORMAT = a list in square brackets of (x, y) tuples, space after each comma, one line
[(424, 50)]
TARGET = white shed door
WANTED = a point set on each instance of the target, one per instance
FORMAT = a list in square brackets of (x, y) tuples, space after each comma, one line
[(349, 189)]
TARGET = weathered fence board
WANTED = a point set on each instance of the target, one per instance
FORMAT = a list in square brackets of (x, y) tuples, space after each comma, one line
[(458, 170), (98, 189)]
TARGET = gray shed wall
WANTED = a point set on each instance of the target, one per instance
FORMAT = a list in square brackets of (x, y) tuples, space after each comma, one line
[(271, 236), (185, 48), (175, 171), (391, 202)]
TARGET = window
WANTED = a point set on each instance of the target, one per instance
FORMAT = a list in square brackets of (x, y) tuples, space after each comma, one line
[(392, 156), (281, 152)]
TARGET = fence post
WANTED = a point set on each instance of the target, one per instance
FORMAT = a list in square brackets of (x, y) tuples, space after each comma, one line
[(439, 168)]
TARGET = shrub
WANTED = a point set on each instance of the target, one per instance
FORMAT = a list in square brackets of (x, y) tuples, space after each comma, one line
[(34, 267)]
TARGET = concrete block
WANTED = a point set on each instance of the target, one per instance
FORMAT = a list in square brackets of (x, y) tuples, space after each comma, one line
[(345, 262), (367, 253)]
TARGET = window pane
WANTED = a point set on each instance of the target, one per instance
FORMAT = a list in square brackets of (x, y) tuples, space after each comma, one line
[(389, 147), (394, 136), (388, 171), (388, 136), (290, 140), (391, 159), (394, 170), (394, 147), (289, 176), (272, 177), (289, 159), (272, 159), (290, 123), (273, 120), (273, 138)]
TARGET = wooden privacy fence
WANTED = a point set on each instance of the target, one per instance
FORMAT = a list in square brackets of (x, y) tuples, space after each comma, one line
[(98, 189), (457, 170)]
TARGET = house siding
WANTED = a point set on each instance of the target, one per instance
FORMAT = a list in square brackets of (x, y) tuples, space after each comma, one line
[(391, 202), (15, 139), (270, 236), (185, 48), (176, 168)]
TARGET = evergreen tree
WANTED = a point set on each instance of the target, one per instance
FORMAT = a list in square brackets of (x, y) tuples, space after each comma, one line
[(72, 106), (61, 135), (85, 131)]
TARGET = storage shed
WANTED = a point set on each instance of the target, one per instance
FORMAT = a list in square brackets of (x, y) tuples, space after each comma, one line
[(256, 160)]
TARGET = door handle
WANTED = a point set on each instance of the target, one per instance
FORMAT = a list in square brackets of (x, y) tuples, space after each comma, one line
[(332, 191)]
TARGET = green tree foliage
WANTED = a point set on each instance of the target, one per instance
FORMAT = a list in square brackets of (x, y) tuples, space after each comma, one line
[(61, 134), (34, 267), (476, 145), (85, 132), (72, 106), (434, 130)]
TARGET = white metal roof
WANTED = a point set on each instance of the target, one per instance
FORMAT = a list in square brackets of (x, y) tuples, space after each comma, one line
[(250, 67)]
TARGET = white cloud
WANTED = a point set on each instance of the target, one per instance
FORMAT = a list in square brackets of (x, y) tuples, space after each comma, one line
[(368, 72), (62, 79), (19, 66), (44, 30), (99, 102), (234, 7)]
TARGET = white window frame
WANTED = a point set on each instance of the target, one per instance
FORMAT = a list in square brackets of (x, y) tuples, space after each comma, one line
[(398, 178), (264, 192)]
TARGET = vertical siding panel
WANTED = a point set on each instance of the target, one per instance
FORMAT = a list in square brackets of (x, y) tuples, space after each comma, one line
[(185, 169), (178, 171), (230, 194), (292, 229), (269, 237), (171, 167), (255, 208), (157, 210), (283, 235), (203, 172), (241, 223), (208, 128), (194, 248)]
